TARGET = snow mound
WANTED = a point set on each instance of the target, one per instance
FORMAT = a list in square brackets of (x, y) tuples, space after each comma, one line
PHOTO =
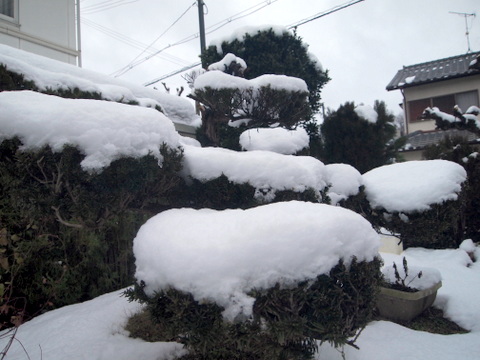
[(90, 330), (264, 170), (414, 185), (221, 255), (344, 181), (104, 131), (279, 140), (219, 80), (47, 73)]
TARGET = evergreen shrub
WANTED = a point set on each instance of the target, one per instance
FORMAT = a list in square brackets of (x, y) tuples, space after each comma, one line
[(286, 322), (66, 234)]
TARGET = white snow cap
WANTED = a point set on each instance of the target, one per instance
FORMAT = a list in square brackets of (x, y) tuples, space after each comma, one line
[(344, 181), (413, 185), (278, 140), (219, 80), (240, 33), (367, 112), (226, 61), (428, 276), (48, 73), (104, 131), (221, 255), (266, 171)]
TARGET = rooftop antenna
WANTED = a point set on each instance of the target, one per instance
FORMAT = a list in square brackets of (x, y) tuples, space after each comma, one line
[(465, 15)]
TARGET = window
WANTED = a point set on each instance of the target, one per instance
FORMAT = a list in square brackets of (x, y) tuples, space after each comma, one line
[(7, 8), (445, 103)]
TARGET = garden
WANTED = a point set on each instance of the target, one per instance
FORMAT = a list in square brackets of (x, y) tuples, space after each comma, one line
[(108, 214)]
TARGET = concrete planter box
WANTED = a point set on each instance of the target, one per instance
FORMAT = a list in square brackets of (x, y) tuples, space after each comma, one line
[(404, 306)]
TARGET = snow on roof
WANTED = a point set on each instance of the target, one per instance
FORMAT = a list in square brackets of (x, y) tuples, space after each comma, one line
[(413, 185), (278, 140), (264, 170), (367, 112), (104, 131), (221, 255), (219, 80), (344, 181), (437, 70), (48, 73)]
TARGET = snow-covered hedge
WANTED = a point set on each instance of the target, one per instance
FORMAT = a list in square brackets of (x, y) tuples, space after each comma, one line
[(268, 280), (422, 201)]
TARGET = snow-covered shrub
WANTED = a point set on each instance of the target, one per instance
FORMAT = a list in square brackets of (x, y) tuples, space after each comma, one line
[(66, 234), (422, 201), (263, 283)]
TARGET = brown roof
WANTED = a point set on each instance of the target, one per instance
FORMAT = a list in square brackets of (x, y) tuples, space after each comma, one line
[(438, 70)]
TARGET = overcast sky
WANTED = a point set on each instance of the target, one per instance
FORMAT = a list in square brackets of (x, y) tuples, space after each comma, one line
[(362, 46)]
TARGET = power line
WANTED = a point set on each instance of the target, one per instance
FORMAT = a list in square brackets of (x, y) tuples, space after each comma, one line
[(130, 42), (323, 13), (106, 5), (295, 25)]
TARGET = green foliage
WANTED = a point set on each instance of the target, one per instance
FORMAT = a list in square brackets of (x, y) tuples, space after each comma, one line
[(350, 139), (458, 150), (66, 235), (12, 81), (268, 53), (286, 322)]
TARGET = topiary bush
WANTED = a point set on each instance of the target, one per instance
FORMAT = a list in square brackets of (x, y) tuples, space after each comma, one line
[(66, 234), (286, 322)]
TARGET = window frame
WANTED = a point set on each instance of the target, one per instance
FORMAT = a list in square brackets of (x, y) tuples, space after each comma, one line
[(14, 18)]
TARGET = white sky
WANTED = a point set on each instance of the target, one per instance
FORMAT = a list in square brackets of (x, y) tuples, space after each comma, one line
[(362, 46)]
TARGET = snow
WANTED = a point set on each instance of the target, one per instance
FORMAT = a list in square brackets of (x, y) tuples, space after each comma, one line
[(367, 112), (473, 110), (278, 140), (240, 34), (104, 131), (222, 255), (93, 330), (410, 79), (413, 185), (264, 170), (442, 115), (47, 73), (223, 64), (344, 181), (219, 80), (90, 330), (419, 278)]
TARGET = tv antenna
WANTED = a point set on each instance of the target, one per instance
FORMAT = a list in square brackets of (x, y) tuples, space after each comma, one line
[(467, 33)]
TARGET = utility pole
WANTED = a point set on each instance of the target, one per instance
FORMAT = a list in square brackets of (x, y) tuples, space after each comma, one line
[(201, 23), (465, 15)]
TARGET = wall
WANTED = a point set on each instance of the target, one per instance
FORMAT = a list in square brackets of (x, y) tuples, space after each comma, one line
[(45, 27), (439, 88)]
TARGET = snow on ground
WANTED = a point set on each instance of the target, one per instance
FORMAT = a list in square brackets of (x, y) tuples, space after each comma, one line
[(266, 171), (278, 140), (413, 185), (222, 255), (48, 73), (93, 330), (102, 130)]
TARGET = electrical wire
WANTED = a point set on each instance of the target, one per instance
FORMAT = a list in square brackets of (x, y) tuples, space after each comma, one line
[(163, 33), (105, 5), (131, 42)]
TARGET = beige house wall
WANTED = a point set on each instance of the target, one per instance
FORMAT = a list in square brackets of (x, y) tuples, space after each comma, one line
[(439, 88), (46, 27)]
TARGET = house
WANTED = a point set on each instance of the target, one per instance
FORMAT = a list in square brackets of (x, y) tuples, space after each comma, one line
[(48, 27), (440, 83)]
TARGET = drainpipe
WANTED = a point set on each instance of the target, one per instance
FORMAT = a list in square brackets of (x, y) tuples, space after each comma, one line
[(79, 36)]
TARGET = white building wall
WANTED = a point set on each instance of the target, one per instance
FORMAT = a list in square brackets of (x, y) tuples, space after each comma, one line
[(44, 27)]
